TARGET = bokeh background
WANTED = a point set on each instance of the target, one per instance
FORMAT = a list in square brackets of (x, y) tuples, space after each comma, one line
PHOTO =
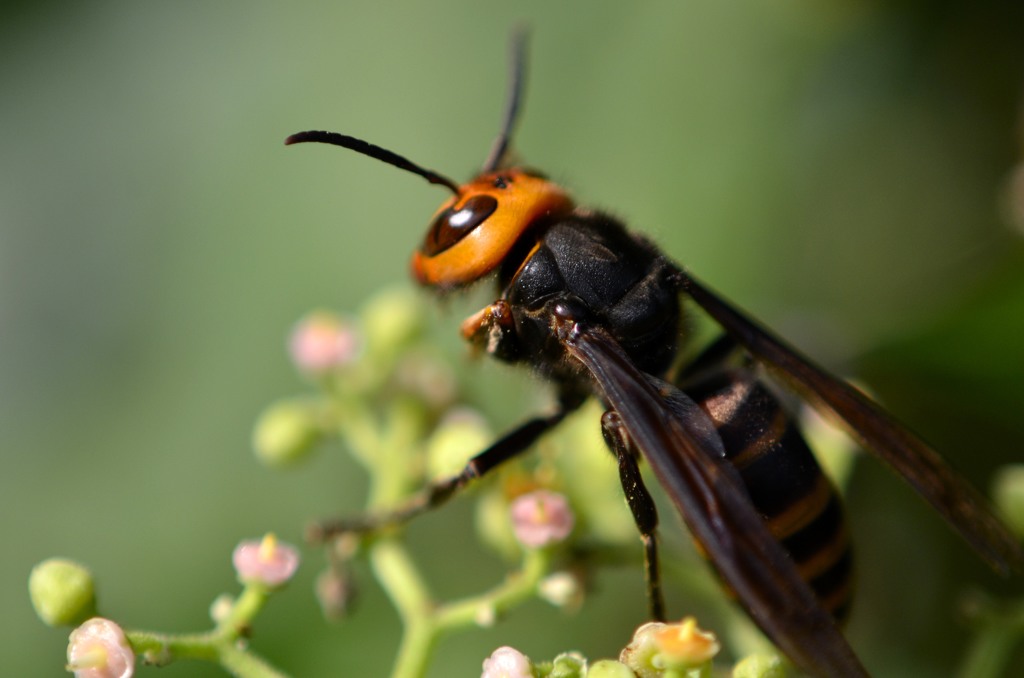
[(842, 169)]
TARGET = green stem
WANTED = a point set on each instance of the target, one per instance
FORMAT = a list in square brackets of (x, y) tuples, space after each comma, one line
[(516, 588), (398, 463), (244, 664), (244, 610), (160, 649), (1000, 628), (400, 579), (418, 642), (397, 574), (423, 622), (219, 645)]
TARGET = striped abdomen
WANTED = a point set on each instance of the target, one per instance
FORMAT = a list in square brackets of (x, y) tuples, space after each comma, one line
[(786, 485)]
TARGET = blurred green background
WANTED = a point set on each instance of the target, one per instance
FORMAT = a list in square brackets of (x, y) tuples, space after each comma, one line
[(840, 169)]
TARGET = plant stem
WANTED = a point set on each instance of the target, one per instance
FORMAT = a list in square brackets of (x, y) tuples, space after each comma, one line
[(397, 574), (517, 587), (219, 645), (1001, 627)]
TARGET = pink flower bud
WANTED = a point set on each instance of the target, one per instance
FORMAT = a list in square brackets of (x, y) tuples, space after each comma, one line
[(323, 341), (540, 518), (99, 649), (335, 591), (507, 662), (268, 562)]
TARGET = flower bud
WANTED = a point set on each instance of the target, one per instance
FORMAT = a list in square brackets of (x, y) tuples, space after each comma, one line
[(221, 607), (323, 341), (759, 666), (460, 435), (285, 433), (540, 518), (62, 592), (99, 649), (428, 377), (335, 591), (1008, 493), (642, 651), (391, 319), (833, 447), (684, 645), (492, 524), (568, 665), (268, 562), (507, 662), (657, 647), (562, 589), (609, 668)]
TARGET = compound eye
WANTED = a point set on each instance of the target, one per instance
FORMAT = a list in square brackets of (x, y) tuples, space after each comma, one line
[(452, 225)]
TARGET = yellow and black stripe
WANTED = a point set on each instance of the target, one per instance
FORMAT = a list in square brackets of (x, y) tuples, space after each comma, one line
[(785, 482)]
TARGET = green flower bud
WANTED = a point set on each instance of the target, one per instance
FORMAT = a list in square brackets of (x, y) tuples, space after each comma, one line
[(568, 665), (590, 476), (609, 668), (493, 527), (391, 320), (1008, 493), (62, 592), (462, 434), (760, 666), (833, 447), (285, 433)]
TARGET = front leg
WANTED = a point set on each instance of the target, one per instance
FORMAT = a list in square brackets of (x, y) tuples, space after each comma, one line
[(492, 329), (513, 443)]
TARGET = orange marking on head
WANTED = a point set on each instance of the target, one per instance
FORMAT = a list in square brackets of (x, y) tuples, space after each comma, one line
[(473, 232)]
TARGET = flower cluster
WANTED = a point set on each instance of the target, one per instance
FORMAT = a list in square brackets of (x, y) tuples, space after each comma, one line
[(63, 595)]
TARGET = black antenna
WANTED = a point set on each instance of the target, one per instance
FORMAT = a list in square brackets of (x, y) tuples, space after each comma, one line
[(382, 154), (515, 99)]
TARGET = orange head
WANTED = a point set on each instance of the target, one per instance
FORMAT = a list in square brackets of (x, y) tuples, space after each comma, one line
[(474, 231)]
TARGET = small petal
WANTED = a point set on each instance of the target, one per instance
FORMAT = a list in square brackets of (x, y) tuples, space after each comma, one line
[(507, 662), (657, 646), (99, 649), (642, 652), (685, 645), (268, 562), (540, 518)]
